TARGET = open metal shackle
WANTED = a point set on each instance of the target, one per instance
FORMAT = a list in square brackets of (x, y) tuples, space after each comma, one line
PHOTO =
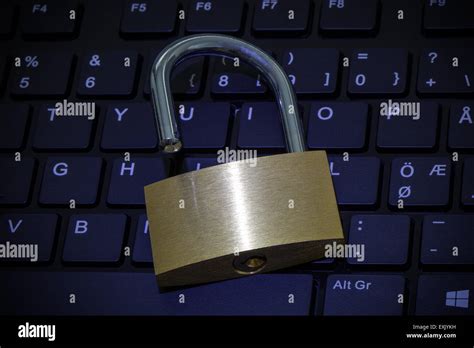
[(224, 46)]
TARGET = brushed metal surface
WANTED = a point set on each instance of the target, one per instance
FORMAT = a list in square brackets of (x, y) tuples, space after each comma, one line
[(200, 220)]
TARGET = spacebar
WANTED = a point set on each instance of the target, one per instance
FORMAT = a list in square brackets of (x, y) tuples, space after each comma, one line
[(100, 293)]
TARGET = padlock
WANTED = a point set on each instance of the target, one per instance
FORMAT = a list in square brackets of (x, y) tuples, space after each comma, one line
[(236, 219)]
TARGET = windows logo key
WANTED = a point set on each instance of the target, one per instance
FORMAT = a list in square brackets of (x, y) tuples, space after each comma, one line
[(459, 299)]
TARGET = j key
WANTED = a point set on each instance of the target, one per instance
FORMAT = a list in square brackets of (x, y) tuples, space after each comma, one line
[(13, 121), (312, 70), (45, 74), (30, 229), (214, 16), (129, 178), (108, 73), (281, 16), (378, 71), (358, 294), (446, 71), (64, 131), (467, 195), (356, 181), (186, 77), (94, 238), (260, 127), (196, 163), (231, 80), (204, 125), (448, 240), (142, 246), (16, 180), (406, 125), (420, 182), (445, 294), (385, 239), (6, 18), (448, 16), (148, 17), (67, 178), (357, 16), (50, 18), (265, 294), (337, 125), (129, 126), (461, 126)]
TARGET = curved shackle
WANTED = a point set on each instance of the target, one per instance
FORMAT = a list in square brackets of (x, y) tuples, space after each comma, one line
[(224, 46)]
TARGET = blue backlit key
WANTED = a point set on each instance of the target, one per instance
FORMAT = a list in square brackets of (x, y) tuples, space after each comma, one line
[(360, 294), (420, 182), (448, 240), (129, 126), (196, 163), (35, 229), (467, 194), (13, 122), (94, 238), (71, 178), (16, 180), (337, 125), (461, 126), (142, 246), (128, 179)]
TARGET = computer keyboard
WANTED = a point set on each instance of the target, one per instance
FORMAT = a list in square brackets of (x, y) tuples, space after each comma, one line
[(74, 185)]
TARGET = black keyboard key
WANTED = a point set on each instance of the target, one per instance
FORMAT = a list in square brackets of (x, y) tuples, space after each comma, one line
[(129, 178), (385, 238), (186, 78), (16, 180), (94, 238), (2, 73), (312, 70), (142, 246), (467, 194), (29, 229), (441, 16), (197, 163), (71, 178), (420, 182), (45, 74), (7, 12), (54, 132), (355, 16), (407, 125), (337, 125), (138, 294), (461, 126), (446, 71), (148, 17), (281, 16), (260, 127), (214, 16), (360, 294), (378, 71), (445, 294), (448, 240), (108, 74), (356, 181), (234, 80), (13, 122), (129, 126), (50, 18), (204, 125)]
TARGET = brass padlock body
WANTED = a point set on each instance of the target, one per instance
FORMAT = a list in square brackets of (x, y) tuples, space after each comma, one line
[(234, 219)]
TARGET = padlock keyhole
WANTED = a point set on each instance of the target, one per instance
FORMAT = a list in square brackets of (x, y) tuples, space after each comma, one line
[(249, 265)]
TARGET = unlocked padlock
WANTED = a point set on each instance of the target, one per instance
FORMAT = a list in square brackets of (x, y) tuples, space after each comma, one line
[(236, 219)]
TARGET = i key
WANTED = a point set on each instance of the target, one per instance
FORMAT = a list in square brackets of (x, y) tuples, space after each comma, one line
[(312, 70), (42, 74), (281, 16), (378, 71), (108, 74), (446, 71)]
